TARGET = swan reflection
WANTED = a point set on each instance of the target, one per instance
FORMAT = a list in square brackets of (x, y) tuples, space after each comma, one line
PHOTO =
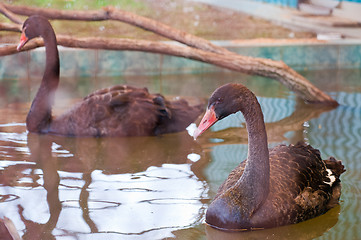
[(118, 186), (310, 229), (145, 188)]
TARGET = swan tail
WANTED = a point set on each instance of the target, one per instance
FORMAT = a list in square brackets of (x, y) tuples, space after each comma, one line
[(335, 166)]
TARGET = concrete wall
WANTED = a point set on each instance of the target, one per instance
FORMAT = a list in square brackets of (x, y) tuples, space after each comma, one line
[(97, 63)]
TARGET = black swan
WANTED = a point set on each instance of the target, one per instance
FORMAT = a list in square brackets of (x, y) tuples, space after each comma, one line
[(280, 186), (117, 111)]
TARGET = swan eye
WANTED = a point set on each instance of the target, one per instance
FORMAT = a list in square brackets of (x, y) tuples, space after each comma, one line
[(24, 29), (219, 100)]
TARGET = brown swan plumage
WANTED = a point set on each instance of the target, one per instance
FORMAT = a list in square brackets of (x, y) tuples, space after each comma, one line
[(280, 186), (117, 111)]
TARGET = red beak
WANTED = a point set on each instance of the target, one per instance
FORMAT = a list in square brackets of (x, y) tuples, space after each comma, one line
[(23, 40), (208, 120)]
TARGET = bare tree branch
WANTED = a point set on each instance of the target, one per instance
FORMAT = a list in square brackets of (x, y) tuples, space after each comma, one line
[(111, 13), (256, 66), (200, 49), (10, 27), (9, 14)]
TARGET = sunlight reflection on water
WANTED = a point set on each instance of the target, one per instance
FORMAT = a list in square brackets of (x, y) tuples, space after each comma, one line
[(159, 187)]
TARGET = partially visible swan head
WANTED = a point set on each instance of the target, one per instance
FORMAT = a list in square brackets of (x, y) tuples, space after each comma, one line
[(225, 100), (33, 27)]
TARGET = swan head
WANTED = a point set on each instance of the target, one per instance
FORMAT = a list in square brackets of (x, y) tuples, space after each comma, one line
[(33, 27), (225, 100)]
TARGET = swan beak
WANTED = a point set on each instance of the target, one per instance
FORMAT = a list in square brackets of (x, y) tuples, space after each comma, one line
[(23, 40), (208, 120)]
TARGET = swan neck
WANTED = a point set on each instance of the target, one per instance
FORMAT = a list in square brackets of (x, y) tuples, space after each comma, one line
[(258, 155), (254, 183), (51, 73), (39, 116)]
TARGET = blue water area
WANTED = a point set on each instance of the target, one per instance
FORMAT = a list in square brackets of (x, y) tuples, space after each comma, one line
[(54, 187)]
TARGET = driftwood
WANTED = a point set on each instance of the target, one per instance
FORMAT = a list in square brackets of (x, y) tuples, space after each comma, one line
[(198, 48)]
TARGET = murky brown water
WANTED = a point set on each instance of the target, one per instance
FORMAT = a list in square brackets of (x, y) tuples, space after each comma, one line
[(55, 187)]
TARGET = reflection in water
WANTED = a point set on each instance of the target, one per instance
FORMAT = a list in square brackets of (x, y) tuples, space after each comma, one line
[(8, 230), (120, 186), (41, 154), (310, 229), (55, 187), (283, 117), (338, 133), (143, 186)]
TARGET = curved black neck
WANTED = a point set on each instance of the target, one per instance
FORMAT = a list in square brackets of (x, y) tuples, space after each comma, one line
[(253, 186), (39, 116)]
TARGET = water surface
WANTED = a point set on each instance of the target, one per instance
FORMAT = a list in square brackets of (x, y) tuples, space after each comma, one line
[(54, 187)]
